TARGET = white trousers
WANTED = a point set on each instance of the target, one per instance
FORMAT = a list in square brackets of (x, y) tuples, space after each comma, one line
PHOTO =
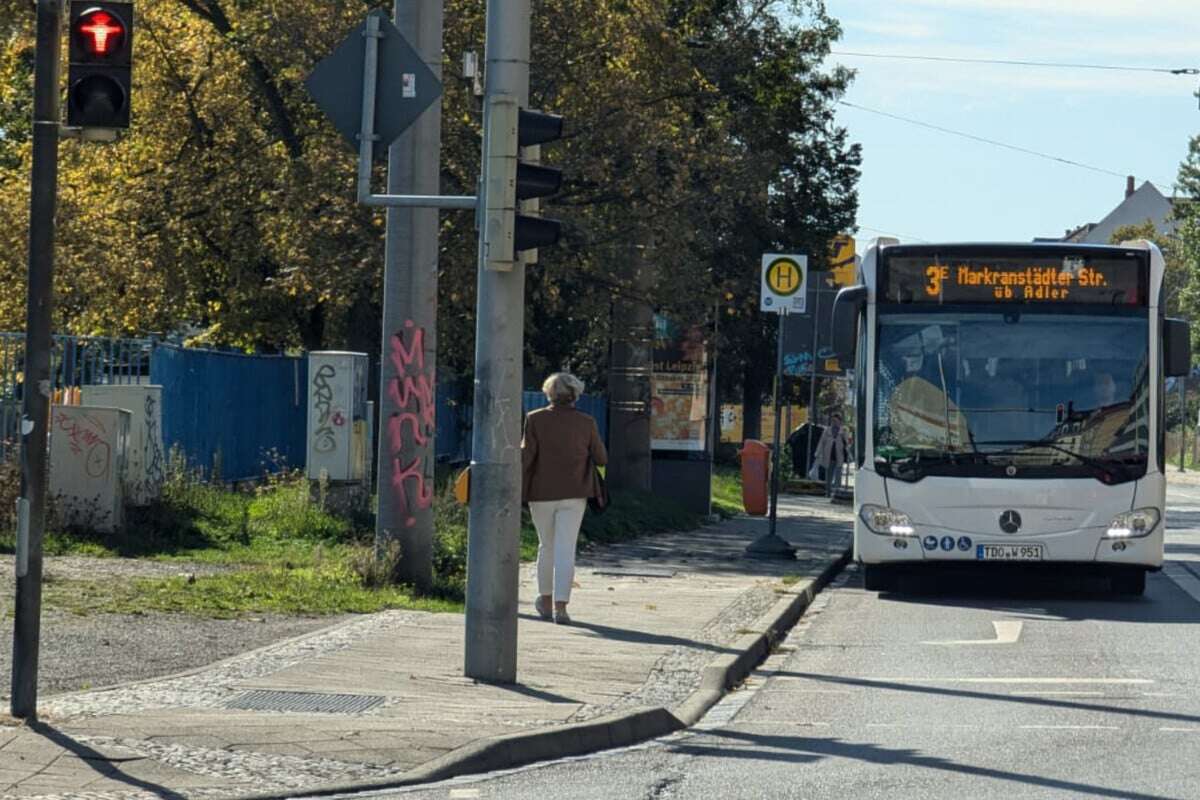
[(557, 523)]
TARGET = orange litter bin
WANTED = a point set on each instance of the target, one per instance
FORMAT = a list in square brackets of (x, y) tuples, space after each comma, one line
[(756, 476)]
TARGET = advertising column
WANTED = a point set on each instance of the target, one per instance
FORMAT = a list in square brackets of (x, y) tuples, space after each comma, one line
[(679, 414)]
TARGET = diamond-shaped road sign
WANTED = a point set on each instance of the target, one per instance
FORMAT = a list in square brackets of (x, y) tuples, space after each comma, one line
[(405, 86)]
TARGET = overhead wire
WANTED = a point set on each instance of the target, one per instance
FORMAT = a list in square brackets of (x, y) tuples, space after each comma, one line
[(994, 142), (1021, 63)]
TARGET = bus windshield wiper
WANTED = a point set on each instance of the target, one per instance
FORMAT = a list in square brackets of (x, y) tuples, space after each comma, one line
[(1090, 461), (912, 460)]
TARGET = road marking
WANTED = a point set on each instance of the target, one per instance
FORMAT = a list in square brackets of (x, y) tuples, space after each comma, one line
[(464, 794), (1183, 578), (1057, 694), (1070, 727), (1087, 681), (1180, 730), (1008, 631)]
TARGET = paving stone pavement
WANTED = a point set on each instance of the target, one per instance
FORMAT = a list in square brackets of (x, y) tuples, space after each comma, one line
[(648, 616)]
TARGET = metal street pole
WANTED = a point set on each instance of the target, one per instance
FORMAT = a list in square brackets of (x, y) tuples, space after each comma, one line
[(409, 354), (494, 525), (35, 420), (770, 545), (812, 384), (1182, 422)]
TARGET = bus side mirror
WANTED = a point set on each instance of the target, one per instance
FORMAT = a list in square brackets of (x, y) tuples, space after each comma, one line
[(1177, 348), (849, 303)]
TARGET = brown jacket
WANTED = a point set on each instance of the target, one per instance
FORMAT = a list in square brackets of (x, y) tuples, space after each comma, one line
[(558, 450)]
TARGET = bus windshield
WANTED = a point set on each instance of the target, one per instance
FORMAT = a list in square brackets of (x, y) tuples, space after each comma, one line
[(1000, 392)]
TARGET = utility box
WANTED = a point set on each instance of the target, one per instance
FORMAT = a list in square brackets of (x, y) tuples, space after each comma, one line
[(88, 446), (338, 425), (146, 461)]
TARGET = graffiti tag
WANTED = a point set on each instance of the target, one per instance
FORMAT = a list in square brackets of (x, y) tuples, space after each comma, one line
[(325, 441), (412, 424)]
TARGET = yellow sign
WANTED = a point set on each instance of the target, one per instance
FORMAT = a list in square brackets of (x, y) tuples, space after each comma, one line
[(784, 283), (784, 276), (841, 260)]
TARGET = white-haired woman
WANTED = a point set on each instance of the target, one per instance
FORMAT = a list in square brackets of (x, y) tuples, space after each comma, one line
[(559, 453)]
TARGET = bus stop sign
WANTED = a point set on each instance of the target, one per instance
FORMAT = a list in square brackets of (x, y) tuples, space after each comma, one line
[(784, 283), (406, 82)]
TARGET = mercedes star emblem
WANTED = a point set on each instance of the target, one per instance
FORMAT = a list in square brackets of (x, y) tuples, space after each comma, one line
[(1010, 521)]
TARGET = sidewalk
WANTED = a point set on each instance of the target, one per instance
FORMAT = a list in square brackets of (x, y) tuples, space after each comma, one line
[(662, 627)]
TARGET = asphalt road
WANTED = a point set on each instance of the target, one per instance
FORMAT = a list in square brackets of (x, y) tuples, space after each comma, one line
[(965, 689)]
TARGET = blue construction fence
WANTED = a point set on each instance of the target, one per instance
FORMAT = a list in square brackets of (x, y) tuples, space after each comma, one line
[(235, 416), (454, 419), (232, 415), (238, 416)]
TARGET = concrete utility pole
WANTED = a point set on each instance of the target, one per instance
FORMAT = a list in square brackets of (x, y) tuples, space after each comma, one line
[(35, 420), (493, 550), (408, 374)]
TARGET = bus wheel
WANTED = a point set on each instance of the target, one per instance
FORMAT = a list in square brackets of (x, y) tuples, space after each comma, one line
[(878, 578), (1129, 582)]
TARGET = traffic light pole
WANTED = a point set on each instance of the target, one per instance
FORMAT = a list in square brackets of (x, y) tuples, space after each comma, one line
[(495, 519), (35, 418)]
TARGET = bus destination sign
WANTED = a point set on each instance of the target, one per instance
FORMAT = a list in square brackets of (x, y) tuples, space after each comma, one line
[(1073, 279)]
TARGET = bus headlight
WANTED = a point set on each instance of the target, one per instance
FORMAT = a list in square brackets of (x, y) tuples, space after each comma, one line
[(1133, 524), (886, 521)]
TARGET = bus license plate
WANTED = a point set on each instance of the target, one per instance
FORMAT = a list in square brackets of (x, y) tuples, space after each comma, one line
[(1008, 552)]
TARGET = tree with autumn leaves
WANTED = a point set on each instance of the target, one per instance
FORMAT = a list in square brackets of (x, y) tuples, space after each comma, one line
[(698, 135)]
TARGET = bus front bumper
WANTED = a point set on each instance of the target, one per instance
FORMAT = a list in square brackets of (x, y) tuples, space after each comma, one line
[(961, 521)]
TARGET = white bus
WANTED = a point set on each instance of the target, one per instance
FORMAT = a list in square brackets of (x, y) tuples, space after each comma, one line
[(1009, 403)]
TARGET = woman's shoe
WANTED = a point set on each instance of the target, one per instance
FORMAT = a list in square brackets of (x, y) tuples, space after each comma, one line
[(542, 605), (561, 617)]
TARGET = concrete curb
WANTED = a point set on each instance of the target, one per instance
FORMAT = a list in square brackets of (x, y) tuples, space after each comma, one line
[(612, 731), (727, 671)]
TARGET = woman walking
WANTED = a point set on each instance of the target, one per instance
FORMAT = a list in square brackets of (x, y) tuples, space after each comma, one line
[(559, 453)]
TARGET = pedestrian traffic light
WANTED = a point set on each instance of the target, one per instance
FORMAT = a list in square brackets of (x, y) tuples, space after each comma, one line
[(510, 177), (101, 49)]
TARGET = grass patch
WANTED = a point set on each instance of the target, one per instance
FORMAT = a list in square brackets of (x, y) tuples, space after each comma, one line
[(287, 554), (727, 491), (331, 588), (631, 514)]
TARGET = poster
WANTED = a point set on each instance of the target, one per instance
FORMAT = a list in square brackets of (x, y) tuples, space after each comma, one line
[(679, 387), (798, 331)]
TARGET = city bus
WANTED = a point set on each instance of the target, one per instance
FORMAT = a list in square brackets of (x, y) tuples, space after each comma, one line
[(1009, 403)]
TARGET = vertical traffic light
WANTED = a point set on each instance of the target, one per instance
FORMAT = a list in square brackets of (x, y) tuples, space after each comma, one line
[(508, 180), (101, 49), (535, 128)]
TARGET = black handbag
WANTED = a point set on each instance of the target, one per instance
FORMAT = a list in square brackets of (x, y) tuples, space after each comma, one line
[(598, 502)]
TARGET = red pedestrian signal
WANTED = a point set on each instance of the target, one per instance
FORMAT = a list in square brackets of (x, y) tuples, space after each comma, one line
[(101, 61)]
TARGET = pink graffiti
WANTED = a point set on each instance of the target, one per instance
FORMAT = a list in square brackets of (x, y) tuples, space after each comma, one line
[(403, 358), (424, 492), (84, 441), (412, 393), (396, 430), (401, 391)]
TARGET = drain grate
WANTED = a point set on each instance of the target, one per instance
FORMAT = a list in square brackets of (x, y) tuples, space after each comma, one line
[(267, 700)]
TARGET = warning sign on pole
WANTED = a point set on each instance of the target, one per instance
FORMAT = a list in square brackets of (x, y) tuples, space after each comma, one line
[(784, 283)]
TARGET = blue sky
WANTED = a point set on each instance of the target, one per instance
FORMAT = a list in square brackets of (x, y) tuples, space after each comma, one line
[(926, 185)]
